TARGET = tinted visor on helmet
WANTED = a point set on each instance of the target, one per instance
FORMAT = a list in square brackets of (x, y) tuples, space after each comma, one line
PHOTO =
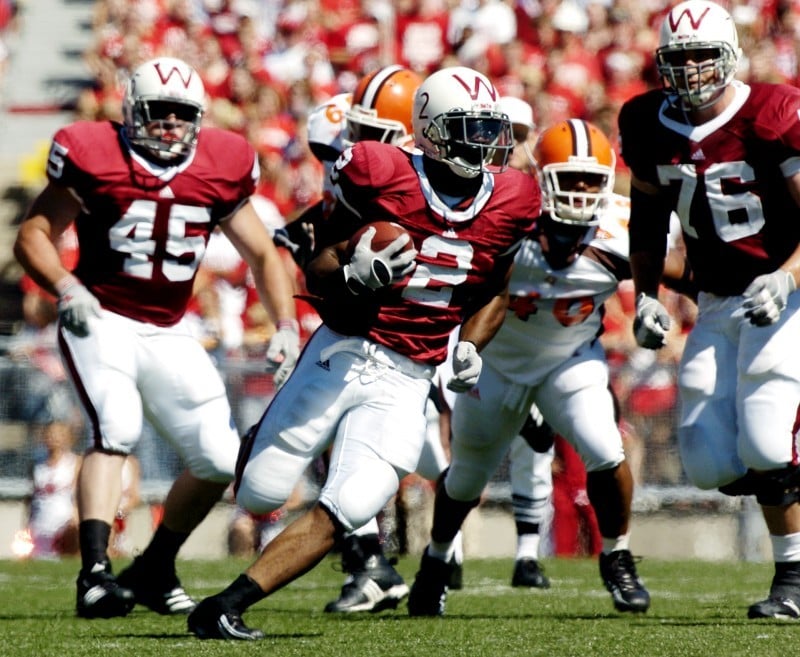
[(160, 110), (473, 138)]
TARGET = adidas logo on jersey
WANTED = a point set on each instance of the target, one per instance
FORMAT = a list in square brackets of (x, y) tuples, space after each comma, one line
[(324, 364), (699, 155), (166, 192)]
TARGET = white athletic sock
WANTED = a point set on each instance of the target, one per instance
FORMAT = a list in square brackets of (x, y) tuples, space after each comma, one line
[(622, 542), (785, 548), (443, 551), (528, 546)]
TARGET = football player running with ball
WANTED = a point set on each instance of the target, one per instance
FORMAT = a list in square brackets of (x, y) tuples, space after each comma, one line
[(725, 156), (362, 382), (380, 109), (145, 196)]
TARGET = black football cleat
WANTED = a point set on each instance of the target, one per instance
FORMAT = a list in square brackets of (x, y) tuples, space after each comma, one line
[(618, 571), (782, 608), (529, 572), (374, 587), (428, 594), (211, 620), (160, 592), (100, 595)]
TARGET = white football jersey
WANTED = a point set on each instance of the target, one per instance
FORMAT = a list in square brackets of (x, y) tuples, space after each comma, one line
[(553, 312)]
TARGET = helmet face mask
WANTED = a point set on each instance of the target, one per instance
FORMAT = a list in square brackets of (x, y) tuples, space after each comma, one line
[(163, 108), (575, 163), (470, 140), (457, 120), (698, 53), (365, 125)]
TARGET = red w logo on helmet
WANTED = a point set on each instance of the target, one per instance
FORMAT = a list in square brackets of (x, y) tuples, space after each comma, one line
[(674, 22), (173, 71), (476, 87)]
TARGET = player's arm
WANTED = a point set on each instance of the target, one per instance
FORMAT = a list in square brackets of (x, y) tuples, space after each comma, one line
[(53, 210), (275, 287), (251, 239), (480, 327), (648, 228), (477, 330)]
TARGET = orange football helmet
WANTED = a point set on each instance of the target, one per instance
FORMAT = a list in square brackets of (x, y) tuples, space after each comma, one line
[(382, 105), (575, 163)]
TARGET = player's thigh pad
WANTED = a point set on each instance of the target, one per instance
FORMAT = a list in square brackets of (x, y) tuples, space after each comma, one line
[(483, 426), (707, 429), (299, 424), (185, 399), (574, 399), (103, 368), (377, 441), (769, 388)]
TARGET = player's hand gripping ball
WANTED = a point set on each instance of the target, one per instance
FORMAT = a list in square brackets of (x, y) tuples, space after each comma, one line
[(380, 252)]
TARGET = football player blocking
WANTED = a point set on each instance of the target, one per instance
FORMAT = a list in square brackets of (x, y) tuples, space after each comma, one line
[(362, 382), (140, 195), (725, 156)]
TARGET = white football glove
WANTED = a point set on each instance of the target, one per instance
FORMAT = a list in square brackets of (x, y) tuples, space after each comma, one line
[(651, 323), (283, 351), (75, 305), (374, 269), (766, 297), (467, 365)]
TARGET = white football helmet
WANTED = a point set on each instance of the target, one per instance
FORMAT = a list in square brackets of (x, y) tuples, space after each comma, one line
[(157, 90), (326, 125), (457, 120), (703, 32)]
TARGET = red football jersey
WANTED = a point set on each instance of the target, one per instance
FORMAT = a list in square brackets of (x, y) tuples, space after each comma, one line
[(458, 248), (725, 179), (143, 229)]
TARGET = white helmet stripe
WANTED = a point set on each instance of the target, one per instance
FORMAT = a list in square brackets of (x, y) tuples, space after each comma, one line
[(376, 84), (580, 138)]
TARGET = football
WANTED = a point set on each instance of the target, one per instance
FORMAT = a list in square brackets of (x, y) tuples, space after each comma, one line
[(386, 232)]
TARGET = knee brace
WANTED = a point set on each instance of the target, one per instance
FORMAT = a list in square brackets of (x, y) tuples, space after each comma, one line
[(746, 485), (779, 487)]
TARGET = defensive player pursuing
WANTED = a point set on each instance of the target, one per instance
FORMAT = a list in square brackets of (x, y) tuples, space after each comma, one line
[(725, 156), (145, 196), (363, 379), (547, 354)]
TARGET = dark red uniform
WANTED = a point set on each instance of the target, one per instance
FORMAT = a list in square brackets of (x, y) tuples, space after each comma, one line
[(730, 173), (143, 229), (416, 315)]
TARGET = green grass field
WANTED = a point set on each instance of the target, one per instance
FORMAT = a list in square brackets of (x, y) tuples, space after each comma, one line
[(698, 609)]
